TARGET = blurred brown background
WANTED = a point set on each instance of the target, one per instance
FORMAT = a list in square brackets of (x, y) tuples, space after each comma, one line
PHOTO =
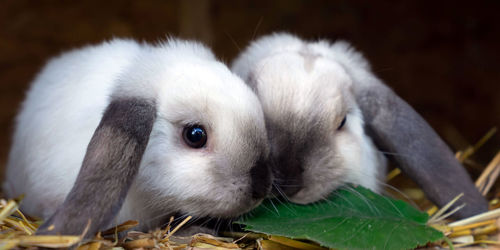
[(439, 56)]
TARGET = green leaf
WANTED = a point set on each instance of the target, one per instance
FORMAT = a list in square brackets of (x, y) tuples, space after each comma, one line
[(351, 218)]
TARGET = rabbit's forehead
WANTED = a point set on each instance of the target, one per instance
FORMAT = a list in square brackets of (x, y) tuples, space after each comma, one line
[(203, 102), (285, 88), (204, 87), (156, 80), (302, 63), (228, 109)]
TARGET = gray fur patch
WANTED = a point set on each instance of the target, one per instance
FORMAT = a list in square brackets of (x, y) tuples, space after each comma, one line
[(261, 179), (417, 149), (292, 140), (112, 161)]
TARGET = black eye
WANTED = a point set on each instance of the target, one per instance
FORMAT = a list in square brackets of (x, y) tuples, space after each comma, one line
[(194, 136), (342, 123)]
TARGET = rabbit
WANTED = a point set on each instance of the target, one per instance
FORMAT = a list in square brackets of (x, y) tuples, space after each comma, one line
[(126, 130), (329, 118)]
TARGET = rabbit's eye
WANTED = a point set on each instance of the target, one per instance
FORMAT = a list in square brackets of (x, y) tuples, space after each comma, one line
[(342, 123), (194, 136)]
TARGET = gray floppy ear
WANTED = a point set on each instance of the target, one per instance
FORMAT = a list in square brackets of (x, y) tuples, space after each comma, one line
[(415, 147), (111, 162)]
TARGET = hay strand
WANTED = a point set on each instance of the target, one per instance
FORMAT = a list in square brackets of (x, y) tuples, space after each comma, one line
[(437, 216), (489, 175), (493, 214)]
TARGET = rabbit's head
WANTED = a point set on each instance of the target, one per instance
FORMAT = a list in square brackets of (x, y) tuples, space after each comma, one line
[(315, 126), (208, 147), (194, 128), (323, 107)]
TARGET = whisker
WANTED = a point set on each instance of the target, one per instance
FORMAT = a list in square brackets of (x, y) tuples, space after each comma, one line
[(284, 204), (368, 203), (233, 41), (207, 220), (266, 208), (275, 208), (393, 153), (217, 225), (278, 188), (405, 196), (289, 185)]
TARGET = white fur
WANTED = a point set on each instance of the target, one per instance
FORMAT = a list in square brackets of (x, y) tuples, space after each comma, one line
[(315, 79), (67, 99)]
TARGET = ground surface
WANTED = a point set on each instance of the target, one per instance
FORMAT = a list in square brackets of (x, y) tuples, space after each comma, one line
[(442, 58)]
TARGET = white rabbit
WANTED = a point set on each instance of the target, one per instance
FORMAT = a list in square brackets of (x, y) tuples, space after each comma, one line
[(161, 129), (323, 107)]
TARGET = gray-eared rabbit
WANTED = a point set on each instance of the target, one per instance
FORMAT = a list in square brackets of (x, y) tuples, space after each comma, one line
[(125, 130), (330, 119)]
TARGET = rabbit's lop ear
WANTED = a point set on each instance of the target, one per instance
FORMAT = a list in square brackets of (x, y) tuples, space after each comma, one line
[(111, 162), (407, 139)]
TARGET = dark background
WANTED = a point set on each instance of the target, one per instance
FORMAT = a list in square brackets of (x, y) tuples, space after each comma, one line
[(440, 56)]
